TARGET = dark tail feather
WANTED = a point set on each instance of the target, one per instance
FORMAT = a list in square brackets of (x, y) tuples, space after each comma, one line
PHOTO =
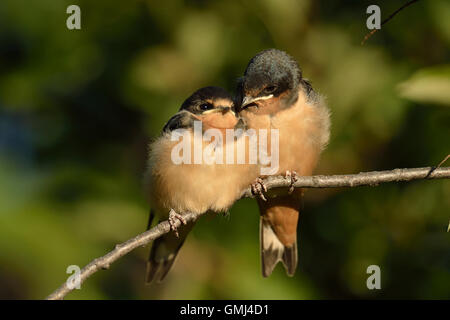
[(150, 218), (273, 251), (157, 269), (290, 259), (164, 252)]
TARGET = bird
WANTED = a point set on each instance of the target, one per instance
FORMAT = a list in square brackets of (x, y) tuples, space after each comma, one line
[(273, 94), (176, 188)]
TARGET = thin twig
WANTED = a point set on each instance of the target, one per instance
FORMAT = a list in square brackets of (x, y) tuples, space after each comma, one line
[(443, 161), (438, 166), (386, 20), (350, 180)]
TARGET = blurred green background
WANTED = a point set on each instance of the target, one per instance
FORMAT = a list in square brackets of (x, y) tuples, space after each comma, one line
[(78, 108)]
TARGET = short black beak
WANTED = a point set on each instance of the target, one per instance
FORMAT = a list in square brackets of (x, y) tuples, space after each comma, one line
[(250, 101), (225, 109)]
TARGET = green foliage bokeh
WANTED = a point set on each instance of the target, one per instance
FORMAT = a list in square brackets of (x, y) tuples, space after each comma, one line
[(79, 107)]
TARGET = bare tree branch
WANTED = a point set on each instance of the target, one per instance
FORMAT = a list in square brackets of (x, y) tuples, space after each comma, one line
[(350, 180), (119, 251), (372, 178)]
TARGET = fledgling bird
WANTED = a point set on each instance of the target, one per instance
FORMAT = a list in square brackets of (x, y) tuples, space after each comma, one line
[(274, 95), (193, 187)]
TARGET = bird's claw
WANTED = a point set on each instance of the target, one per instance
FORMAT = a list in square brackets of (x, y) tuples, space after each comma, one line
[(258, 187), (172, 216), (294, 177)]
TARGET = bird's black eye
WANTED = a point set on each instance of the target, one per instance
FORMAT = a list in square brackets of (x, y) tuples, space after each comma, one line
[(206, 106), (270, 89)]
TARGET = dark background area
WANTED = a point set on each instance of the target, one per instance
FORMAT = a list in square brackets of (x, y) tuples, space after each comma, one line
[(79, 107)]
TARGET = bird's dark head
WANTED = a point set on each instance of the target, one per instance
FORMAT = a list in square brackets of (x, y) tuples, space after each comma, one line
[(209, 100), (271, 81), (213, 106)]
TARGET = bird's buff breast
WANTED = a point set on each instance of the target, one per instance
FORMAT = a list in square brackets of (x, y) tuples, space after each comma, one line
[(303, 133), (194, 187)]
